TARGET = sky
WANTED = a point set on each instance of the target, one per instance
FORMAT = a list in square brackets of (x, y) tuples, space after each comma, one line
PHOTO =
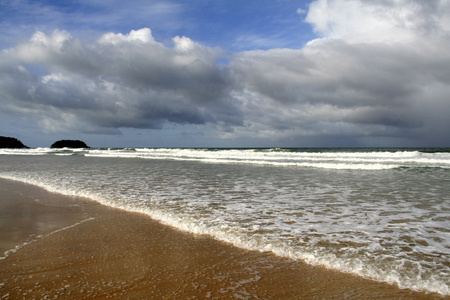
[(234, 73)]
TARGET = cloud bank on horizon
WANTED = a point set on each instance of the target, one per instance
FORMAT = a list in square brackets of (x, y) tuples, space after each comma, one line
[(377, 74)]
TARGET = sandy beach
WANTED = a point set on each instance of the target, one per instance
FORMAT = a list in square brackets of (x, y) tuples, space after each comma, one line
[(72, 248)]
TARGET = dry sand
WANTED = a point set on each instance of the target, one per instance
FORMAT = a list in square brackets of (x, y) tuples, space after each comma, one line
[(73, 248)]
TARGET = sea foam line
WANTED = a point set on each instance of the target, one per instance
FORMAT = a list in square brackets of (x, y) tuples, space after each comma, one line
[(18, 247), (364, 160), (327, 261)]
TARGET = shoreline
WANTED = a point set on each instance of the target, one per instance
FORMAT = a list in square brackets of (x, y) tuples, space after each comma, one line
[(73, 248)]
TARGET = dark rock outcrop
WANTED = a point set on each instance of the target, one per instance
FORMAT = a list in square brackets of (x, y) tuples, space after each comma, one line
[(9, 142), (69, 144)]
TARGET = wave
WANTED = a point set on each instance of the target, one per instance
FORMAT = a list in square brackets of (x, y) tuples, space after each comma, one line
[(394, 274), (386, 228), (339, 159)]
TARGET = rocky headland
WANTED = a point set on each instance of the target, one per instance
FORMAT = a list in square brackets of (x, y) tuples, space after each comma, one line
[(69, 144), (10, 142)]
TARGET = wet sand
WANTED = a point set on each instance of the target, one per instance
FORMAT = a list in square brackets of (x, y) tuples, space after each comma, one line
[(73, 248)]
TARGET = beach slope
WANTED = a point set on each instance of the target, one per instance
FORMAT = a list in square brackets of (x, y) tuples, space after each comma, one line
[(72, 248)]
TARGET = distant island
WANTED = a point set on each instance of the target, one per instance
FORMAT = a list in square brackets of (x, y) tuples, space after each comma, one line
[(69, 144), (10, 142)]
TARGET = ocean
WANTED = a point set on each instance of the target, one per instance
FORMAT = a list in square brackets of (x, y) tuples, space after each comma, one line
[(382, 214)]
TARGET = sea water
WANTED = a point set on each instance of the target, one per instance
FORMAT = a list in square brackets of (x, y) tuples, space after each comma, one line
[(382, 214)]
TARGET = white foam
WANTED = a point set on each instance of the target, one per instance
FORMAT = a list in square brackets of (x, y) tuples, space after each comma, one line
[(365, 160), (18, 247), (327, 160), (356, 222), (239, 237)]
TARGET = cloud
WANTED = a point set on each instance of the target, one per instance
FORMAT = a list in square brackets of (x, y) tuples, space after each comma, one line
[(301, 11), (385, 79), (378, 21), (378, 70), (120, 81), (87, 19)]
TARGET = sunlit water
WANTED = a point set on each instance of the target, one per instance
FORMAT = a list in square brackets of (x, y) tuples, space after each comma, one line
[(381, 214)]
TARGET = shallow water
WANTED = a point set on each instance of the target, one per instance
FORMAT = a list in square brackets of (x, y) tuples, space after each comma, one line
[(383, 215)]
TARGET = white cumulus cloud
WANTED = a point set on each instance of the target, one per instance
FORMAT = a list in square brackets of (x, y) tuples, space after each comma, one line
[(378, 21)]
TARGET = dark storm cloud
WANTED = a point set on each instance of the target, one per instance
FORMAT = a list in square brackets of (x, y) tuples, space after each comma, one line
[(337, 86), (121, 81), (378, 71)]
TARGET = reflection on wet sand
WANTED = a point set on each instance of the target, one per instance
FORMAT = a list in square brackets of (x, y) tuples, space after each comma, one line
[(85, 250)]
